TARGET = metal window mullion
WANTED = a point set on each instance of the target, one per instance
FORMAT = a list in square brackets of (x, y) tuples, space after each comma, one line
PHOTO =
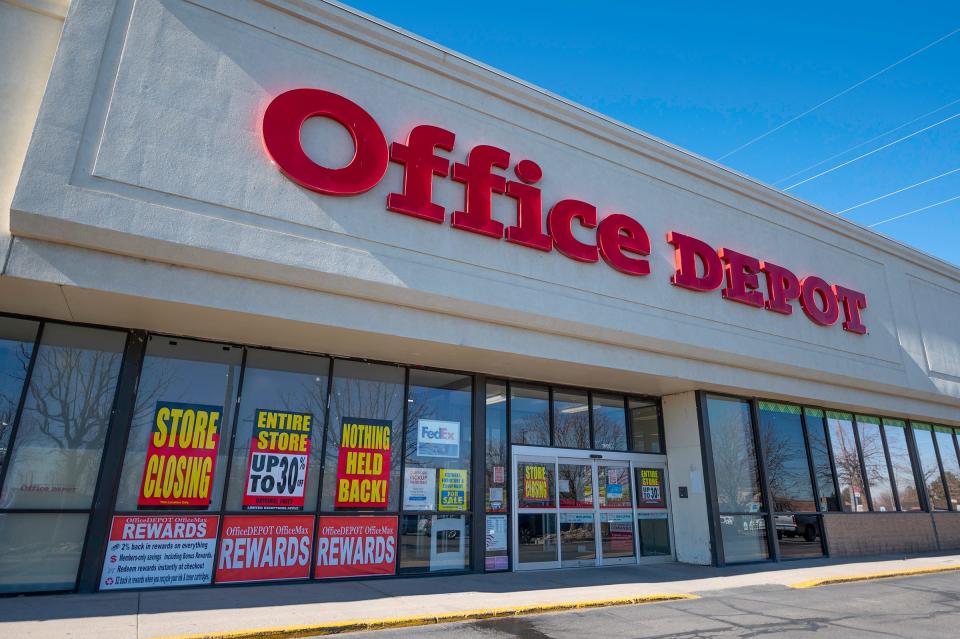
[(765, 491), (323, 466), (403, 469), (710, 480), (893, 479), (477, 489), (550, 418), (863, 466), (15, 427), (591, 436)]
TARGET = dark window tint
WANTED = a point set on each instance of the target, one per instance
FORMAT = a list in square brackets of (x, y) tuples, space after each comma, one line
[(781, 440), (529, 414), (654, 535), (609, 422), (734, 455), (16, 345), (798, 535), (929, 467), (56, 456), (820, 454), (645, 426), (744, 538), (537, 537), (875, 463), (571, 418), (903, 475), (847, 459)]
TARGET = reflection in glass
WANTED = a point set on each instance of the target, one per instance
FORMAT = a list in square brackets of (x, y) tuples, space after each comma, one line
[(903, 474), (571, 419), (16, 345), (645, 426), (616, 535), (287, 382), (364, 391), (496, 459), (535, 487), (951, 464), (798, 536), (188, 372), (576, 485), (654, 535), (614, 488), (847, 460), (578, 538), (529, 414), (537, 537), (820, 454), (923, 438), (781, 440), (40, 551), (434, 543), (744, 538), (56, 456), (609, 422), (734, 455), (875, 463)]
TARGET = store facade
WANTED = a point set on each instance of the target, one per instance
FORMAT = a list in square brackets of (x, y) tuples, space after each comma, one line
[(289, 294)]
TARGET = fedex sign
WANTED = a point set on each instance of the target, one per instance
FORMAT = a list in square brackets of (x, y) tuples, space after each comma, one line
[(438, 438), (618, 239)]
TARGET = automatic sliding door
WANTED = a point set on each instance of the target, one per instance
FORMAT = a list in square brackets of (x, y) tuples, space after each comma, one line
[(617, 536), (578, 538), (535, 504)]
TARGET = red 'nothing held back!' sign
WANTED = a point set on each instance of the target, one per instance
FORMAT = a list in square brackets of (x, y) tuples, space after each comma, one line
[(363, 464)]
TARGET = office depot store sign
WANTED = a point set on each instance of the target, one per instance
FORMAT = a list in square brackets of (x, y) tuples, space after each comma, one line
[(617, 238)]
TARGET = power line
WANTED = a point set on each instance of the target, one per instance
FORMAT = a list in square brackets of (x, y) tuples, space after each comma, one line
[(906, 188), (857, 146), (834, 97), (922, 208), (869, 153)]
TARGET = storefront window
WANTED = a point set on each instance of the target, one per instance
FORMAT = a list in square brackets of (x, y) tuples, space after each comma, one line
[(847, 460), (932, 479), (16, 346), (529, 414), (497, 490), (571, 418), (433, 543), (744, 538), (654, 534), (820, 454), (895, 431), (537, 537), (614, 482), (651, 488), (576, 485), (875, 463), (535, 485), (785, 454), (734, 455), (609, 422), (366, 403), (182, 421), (40, 551), (951, 464), (645, 426), (281, 417), (56, 456)]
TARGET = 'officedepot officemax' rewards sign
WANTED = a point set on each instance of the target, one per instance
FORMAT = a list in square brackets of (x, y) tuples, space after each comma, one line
[(181, 455), (279, 458), (363, 465)]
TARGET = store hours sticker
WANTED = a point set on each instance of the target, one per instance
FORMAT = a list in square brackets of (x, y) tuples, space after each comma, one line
[(279, 459)]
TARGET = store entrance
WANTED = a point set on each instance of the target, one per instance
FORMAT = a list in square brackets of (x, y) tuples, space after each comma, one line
[(577, 508)]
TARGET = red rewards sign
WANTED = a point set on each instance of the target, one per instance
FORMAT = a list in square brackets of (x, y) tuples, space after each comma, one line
[(356, 546), (264, 548)]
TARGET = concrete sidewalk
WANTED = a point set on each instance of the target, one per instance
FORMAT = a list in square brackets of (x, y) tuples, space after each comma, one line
[(238, 608)]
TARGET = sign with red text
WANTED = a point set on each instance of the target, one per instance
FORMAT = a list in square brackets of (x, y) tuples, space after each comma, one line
[(355, 546), (159, 551), (279, 460), (265, 548), (181, 455), (363, 463)]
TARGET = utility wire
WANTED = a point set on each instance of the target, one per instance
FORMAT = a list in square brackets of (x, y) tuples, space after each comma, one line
[(835, 96), (857, 146), (922, 208), (906, 188), (869, 153)]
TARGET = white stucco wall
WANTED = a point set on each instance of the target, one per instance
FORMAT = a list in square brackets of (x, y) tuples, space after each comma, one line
[(29, 32), (691, 520), (147, 201)]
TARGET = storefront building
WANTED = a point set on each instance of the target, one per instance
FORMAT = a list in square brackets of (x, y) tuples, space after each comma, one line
[(288, 294)]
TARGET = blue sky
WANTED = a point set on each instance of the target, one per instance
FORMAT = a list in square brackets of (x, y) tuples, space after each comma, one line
[(710, 76)]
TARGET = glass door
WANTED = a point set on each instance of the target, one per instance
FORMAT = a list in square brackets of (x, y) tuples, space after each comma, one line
[(653, 515), (535, 502), (576, 486), (615, 507)]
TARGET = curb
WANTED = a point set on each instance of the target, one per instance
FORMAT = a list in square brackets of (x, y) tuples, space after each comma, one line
[(325, 629), (869, 576)]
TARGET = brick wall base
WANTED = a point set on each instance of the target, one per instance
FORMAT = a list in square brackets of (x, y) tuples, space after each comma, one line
[(853, 534), (948, 530)]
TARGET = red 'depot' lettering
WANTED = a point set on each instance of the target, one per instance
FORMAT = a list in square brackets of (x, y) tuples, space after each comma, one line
[(620, 239)]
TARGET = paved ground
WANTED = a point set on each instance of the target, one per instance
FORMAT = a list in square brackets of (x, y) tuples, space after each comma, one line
[(916, 607), (162, 613)]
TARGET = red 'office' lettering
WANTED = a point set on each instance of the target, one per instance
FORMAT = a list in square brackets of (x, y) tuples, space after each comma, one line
[(529, 228), (420, 164), (782, 287), (687, 251), (477, 213), (619, 234), (282, 122), (559, 224), (742, 280)]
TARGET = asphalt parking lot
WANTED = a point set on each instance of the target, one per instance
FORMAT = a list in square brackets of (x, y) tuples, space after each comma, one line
[(916, 607)]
